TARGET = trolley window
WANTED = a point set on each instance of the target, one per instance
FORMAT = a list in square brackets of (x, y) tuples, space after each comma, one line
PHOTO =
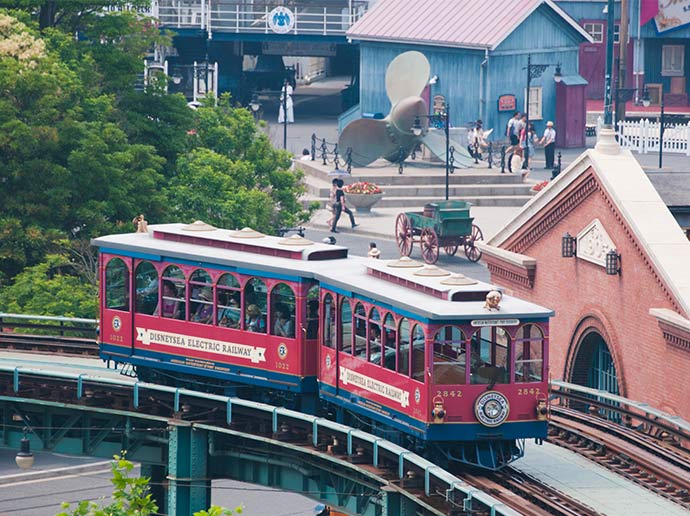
[(529, 361), (346, 326), (389, 339), (117, 285), (201, 309), (375, 336), (489, 356), (146, 285), (173, 296), (228, 299), (255, 306), (449, 356), (329, 322), (418, 353), (283, 311), (404, 348), (360, 348)]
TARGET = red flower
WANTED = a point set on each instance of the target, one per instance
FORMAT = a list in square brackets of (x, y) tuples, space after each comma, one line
[(362, 188)]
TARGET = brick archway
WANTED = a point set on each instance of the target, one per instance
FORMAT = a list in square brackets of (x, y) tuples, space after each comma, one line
[(590, 332)]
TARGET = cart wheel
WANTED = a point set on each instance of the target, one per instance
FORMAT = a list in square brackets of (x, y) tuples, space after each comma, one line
[(403, 234), (471, 251), (429, 243), (451, 249)]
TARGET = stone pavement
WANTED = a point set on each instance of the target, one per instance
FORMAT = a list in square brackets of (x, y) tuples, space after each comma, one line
[(381, 222)]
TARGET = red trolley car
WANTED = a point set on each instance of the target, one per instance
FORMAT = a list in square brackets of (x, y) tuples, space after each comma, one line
[(410, 351)]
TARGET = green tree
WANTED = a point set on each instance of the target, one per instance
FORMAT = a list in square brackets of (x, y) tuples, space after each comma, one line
[(131, 497), (52, 287)]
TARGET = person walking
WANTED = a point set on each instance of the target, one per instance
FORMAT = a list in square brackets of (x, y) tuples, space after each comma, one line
[(287, 102), (549, 143), (513, 131), (340, 206)]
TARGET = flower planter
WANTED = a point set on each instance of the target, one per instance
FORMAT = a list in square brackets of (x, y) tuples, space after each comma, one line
[(362, 202)]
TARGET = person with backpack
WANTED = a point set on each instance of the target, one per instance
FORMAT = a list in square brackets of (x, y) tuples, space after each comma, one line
[(513, 131)]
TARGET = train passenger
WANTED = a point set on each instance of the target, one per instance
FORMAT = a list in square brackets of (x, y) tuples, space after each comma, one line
[(171, 305), (230, 315), (255, 320), (204, 311), (313, 319), (283, 326)]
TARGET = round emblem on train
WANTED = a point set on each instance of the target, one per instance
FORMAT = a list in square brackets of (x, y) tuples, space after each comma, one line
[(117, 323), (281, 20), (282, 351), (491, 408)]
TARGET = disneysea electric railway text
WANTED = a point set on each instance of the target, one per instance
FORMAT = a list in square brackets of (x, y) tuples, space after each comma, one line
[(407, 351)]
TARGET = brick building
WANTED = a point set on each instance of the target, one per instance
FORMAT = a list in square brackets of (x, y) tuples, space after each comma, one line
[(626, 332)]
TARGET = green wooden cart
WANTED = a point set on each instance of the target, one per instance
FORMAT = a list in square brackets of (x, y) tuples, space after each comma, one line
[(445, 224)]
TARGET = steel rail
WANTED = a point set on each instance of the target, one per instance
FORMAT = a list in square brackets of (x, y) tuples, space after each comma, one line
[(375, 451)]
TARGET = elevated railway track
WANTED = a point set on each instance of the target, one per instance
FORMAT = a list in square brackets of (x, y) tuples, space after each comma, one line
[(634, 440)]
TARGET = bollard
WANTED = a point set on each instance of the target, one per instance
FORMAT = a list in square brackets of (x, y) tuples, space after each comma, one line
[(503, 159), (313, 146), (451, 159)]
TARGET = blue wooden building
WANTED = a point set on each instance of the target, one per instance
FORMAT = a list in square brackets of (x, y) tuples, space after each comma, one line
[(658, 46), (479, 52)]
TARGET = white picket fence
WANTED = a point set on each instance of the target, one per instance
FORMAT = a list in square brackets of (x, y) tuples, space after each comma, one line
[(643, 136)]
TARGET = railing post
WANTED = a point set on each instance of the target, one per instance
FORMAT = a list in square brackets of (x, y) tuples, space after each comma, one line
[(348, 160), (490, 157), (503, 159), (336, 161), (324, 152), (313, 146)]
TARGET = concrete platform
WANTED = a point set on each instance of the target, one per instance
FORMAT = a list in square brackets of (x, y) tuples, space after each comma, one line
[(592, 484)]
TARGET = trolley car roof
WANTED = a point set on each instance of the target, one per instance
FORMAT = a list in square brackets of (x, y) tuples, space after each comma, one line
[(404, 288)]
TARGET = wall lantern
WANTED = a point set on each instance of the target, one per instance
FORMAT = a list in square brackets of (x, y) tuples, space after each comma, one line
[(568, 246), (558, 76), (613, 263), (25, 459)]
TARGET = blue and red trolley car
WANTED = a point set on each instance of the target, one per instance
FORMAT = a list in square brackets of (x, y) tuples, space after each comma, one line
[(411, 351)]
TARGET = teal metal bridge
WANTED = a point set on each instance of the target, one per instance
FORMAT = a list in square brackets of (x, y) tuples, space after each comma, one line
[(186, 438)]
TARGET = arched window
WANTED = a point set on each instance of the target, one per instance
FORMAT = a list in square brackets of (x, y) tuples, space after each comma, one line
[(449, 356), (255, 306), (404, 348), (229, 301), (418, 353), (117, 285), (360, 348), (328, 321), (388, 342), (173, 294), (346, 326), (146, 285), (283, 311), (529, 354), (313, 312), (490, 351), (375, 336), (201, 297)]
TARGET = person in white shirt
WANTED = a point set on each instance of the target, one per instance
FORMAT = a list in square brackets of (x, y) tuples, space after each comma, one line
[(549, 143), (287, 90)]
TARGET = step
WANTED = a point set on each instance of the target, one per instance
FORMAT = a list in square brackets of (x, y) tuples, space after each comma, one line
[(320, 189), (419, 202), (412, 175)]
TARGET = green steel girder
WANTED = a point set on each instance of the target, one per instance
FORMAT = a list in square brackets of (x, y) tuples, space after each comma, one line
[(189, 485)]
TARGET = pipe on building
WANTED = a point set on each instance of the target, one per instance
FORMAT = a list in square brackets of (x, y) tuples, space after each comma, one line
[(483, 83)]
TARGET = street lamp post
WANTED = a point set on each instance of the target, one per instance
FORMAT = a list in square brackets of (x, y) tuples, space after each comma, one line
[(625, 94), (661, 131), (438, 119), (285, 114), (608, 115), (534, 71)]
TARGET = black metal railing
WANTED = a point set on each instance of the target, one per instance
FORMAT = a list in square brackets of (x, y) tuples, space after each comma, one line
[(330, 154)]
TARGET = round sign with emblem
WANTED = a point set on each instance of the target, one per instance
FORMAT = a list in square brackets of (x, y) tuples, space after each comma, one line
[(417, 395), (117, 323), (282, 351), (281, 20), (491, 408), (328, 361)]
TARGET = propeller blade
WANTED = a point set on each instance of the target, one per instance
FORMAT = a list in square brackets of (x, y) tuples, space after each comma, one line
[(407, 76), (435, 141), (368, 139)]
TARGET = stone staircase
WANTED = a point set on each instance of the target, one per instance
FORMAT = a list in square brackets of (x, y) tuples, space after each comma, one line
[(421, 184)]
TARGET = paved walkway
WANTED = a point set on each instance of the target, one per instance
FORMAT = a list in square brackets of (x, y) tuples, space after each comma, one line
[(592, 484)]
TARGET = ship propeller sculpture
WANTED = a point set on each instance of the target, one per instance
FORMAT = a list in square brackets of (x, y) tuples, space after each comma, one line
[(393, 138)]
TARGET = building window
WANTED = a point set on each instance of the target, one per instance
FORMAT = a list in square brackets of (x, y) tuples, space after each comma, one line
[(535, 93), (672, 60), (616, 33), (596, 30)]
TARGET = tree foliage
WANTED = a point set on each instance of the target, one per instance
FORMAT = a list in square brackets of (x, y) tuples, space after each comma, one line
[(82, 152), (131, 497)]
